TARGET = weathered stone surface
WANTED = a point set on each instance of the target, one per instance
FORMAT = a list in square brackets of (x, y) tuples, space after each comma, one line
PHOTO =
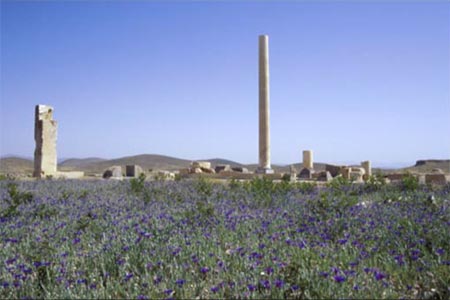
[(292, 173), (437, 171), (324, 176), (201, 164), (133, 170), (367, 166), (45, 135), (114, 172), (345, 171), (435, 179), (356, 176), (222, 168), (334, 170), (353, 173), (240, 170), (306, 173), (308, 162), (196, 171)]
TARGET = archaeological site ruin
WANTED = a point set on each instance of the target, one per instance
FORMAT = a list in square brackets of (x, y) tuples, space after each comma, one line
[(45, 155)]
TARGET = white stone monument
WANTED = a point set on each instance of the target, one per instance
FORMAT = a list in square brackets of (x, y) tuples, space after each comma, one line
[(264, 128)]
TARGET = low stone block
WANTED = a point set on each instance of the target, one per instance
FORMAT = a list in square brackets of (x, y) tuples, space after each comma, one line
[(208, 170), (196, 171), (201, 164), (435, 179), (240, 170)]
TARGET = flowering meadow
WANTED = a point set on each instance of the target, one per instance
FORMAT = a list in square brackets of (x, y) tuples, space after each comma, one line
[(199, 239)]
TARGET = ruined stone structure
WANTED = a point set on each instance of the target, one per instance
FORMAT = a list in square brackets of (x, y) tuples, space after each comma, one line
[(367, 168), (264, 130), (114, 172), (45, 133), (133, 170)]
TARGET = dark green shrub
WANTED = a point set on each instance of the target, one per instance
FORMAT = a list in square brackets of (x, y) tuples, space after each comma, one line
[(137, 185), (16, 198), (410, 182)]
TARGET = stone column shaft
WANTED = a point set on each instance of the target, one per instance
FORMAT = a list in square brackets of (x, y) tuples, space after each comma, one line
[(264, 130), (308, 159)]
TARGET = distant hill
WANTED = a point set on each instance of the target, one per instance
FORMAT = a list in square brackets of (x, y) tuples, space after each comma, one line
[(16, 165), (95, 165), (220, 161), (79, 162), (146, 161), (426, 165)]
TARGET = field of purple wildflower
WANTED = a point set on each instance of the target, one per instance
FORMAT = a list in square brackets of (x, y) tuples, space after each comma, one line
[(197, 239)]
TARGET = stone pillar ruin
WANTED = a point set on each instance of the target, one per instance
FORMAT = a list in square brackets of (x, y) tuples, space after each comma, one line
[(308, 159), (368, 168), (264, 130), (45, 133)]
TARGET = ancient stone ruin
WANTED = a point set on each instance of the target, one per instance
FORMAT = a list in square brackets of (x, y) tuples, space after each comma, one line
[(133, 171), (114, 172), (45, 135), (45, 157), (308, 166), (45, 130)]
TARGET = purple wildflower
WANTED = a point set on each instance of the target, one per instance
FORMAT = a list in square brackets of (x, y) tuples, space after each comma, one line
[(279, 283), (251, 287), (265, 283), (215, 289), (180, 282), (128, 276), (379, 276), (339, 278)]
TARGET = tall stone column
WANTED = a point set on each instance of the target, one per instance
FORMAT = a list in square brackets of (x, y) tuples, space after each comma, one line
[(264, 128), (45, 133), (308, 159)]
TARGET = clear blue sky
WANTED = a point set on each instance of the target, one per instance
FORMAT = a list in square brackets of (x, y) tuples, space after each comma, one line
[(351, 81)]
